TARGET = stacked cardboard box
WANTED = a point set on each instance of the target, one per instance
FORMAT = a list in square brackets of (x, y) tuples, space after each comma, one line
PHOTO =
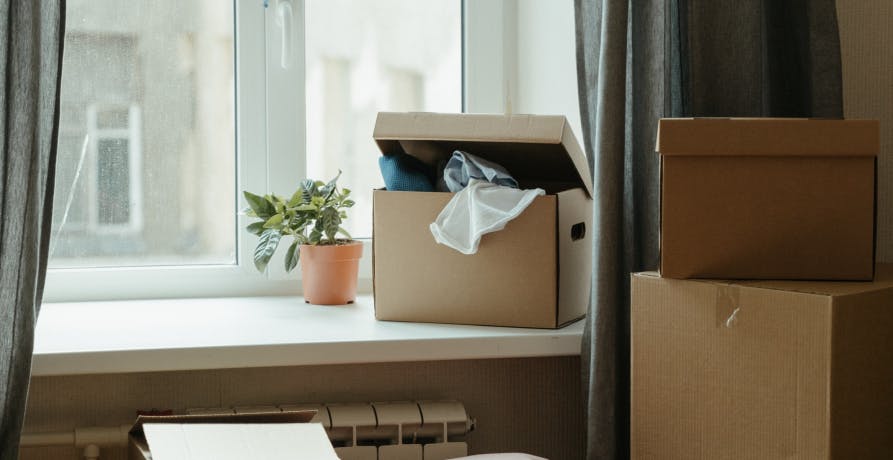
[(762, 369), (765, 369), (768, 198)]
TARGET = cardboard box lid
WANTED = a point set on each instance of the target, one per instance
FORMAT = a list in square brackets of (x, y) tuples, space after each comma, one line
[(536, 149), (220, 436), (767, 136), (883, 280)]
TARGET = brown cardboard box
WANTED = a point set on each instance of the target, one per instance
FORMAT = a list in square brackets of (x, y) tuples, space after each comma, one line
[(767, 198), (762, 369), (533, 273), (273, 435)]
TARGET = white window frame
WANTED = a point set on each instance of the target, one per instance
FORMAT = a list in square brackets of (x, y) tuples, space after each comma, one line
[(270, 118)]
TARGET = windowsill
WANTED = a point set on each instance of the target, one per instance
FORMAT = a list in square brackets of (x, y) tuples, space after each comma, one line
[(195, 334)]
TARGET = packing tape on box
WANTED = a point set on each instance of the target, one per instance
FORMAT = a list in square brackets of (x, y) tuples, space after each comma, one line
[(727, 305)]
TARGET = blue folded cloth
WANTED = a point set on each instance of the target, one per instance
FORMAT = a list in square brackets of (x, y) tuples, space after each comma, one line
[(405, 173)]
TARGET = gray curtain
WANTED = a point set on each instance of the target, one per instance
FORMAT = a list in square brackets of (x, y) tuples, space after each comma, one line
[(31, 33), (638, 61)]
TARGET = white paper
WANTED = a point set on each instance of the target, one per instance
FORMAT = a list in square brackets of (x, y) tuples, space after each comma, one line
[(238, 441)]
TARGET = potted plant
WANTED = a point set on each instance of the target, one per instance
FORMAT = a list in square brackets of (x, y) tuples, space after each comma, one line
[(312, 217)]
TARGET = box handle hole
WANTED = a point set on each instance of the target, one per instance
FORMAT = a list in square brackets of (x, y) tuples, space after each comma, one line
[(578, 231)]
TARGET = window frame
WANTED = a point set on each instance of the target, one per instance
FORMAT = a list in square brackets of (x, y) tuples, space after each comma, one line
[(270, 118)]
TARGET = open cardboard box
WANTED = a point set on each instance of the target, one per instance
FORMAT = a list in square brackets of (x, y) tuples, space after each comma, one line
[(534, 273), (767, 198), (761, 369), (263, 436)]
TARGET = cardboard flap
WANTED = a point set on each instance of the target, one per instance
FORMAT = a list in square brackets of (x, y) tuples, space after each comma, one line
[(768, 136), (538, 150), (302, 416)]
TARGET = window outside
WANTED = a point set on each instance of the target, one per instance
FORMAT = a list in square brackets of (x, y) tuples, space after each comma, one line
[(364, 57), (145, 170), (146, 160)]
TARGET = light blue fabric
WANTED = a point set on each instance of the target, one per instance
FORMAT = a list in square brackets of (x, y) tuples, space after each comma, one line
[(405, 173), (463, 167)]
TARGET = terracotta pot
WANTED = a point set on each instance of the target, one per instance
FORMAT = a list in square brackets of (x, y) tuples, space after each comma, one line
[(329, 273)]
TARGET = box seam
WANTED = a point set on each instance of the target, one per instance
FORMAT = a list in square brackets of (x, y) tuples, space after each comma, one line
[(829, 396), (556, 245)]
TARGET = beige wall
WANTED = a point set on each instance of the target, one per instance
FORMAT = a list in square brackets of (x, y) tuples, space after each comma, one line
[(866, 41), (529, 405)]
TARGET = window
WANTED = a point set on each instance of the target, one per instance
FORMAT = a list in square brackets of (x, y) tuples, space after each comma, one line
[(365, 57), (169, 109), (146, 156)]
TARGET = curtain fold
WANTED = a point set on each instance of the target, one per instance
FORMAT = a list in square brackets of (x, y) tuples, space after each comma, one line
[(638, 61), (31, 34)]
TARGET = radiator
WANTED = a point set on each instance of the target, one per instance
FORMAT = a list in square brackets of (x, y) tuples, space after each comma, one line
[(409, 430)]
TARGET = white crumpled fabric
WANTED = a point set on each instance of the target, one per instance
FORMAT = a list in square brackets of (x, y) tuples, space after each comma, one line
[(480, 208)]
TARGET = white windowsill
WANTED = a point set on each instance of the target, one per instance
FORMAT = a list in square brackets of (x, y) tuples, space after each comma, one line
[(195, 334)]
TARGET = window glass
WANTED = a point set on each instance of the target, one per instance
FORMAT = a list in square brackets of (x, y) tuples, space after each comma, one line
[(146, 157), (364, 57), (113, 181)]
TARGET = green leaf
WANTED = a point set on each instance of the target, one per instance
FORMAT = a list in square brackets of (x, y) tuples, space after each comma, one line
[(261, 207), (274, 221), (315, 237), (266, 246), (342, 231), (320, 225), (256, 228), (331, 186), (330, 233), (313, 214), (292, 256), (307, 189), (295, 199)]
